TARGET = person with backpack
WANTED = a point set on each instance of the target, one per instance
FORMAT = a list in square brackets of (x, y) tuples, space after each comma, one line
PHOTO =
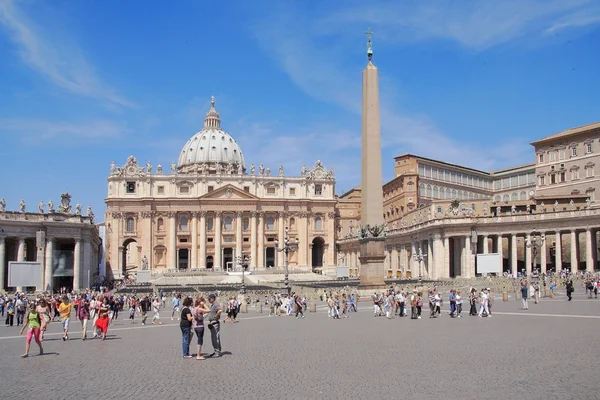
[(32, 321), (20, 308), (10, 312)]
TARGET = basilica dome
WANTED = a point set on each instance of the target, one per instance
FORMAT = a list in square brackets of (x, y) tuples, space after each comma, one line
[(211, 149)]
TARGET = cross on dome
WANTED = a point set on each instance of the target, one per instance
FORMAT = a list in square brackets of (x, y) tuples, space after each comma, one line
[(212, 119)]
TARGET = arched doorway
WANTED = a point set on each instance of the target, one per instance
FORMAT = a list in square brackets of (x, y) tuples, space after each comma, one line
[(318, 248), (209, 262), (124, 259)]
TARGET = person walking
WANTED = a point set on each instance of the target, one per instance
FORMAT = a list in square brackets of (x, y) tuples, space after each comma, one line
[(33, 324), (484, 304), (65, 314), (83, 315), (156, 311), (570, 289), (524, 294), (214, 325)]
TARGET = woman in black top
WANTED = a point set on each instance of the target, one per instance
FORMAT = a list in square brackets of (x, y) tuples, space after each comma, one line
[(186, 326)]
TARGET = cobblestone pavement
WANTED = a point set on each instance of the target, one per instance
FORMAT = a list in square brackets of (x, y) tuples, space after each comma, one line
[(547, 352)]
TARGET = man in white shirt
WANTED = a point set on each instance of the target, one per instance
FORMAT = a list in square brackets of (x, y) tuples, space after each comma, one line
[(484, 304)]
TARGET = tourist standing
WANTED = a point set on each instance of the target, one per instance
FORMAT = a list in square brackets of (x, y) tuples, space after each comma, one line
[(214, 325), (552, 287), (185, 324), (570, 289), (524, 294), (452, 299), (32, 321), (198, 324), (156, 311), (145, 306), (10, 312), (175, 302), (484, 304)]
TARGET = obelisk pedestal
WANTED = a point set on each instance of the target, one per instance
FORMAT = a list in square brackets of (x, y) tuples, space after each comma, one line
[(372, 236)]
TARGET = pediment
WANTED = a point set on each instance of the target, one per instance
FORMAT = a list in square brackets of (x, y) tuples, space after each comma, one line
[(228, 192)]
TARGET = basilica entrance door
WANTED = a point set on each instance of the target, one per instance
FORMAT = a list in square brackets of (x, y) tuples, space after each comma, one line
[(269, 257), (210, 262), (228, 258), (183, 258)]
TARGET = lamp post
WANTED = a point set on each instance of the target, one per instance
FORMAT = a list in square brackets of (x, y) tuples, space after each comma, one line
[(534, 243), (287, 247), (419, 257), (241, 260)]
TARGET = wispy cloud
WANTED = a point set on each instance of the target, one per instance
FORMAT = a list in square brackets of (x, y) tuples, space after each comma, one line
[(476, 25), (298, 42), (41, 132), (54, 56)]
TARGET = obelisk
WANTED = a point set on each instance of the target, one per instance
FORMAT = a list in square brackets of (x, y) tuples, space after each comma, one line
[(372, 236)]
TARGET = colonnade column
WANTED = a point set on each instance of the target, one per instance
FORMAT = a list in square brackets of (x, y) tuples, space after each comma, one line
[(172, 250), (589, 251), (253, 240), (411, 260), (202, 262), (543, 255), (485, 247), (281, 237), (302, 229), (574, 248), (261, 241), (528, 261), (21, 257), (395, 260), (2, 262), (217, 258), (513, 254), (305, 244), (77, 265), (430, 258), (194, 257), (446, 272), (558, 253), (331, 239), (238, 234), (48, 266), (467, 253)]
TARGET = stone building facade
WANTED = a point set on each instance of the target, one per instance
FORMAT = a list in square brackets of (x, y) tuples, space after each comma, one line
[(440, 215), (210, 208), (63, 241)]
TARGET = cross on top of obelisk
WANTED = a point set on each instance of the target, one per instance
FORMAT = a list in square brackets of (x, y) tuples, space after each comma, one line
[(369, 44)]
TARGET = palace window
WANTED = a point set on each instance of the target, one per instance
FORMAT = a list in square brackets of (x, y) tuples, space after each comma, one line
[(318, 224), (318, 190), (209, 224), (514, 196), (540, 158), (591, 193), (574, 151), (160, 225), (561, 154), (183, 224), (553, 178), (292, 223), (292, 191), (130, 224), (228, 223), (563, 176), (589, 171), (247, 189), (184, 189), (270, 223), (271, 190), (161, 190), (574, 174), (505, 198), (436, 192), (246, 223), (588, 148), (130, 187), (210, 189), (522, 196)]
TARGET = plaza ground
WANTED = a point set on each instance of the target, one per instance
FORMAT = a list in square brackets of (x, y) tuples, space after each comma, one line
[(547, 352)]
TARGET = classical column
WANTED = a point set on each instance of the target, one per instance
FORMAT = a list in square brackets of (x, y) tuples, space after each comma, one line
[(2, 263), (485, 248), (48, 264), (172, 250), (121, 262), (528, 254), (21, 249), (331, 239), (305, 242), (589, 248), (513, 254), (558, 253), (194, 249), (148, 232), (430, 258), (394, 260), (281, 225), (446, 272), (86, 261), (574, 247), (253, 240), (412, 264), (77, 266), (543, 251), (261, 241), (238, 234), (217, 258), (202, 263), (466, 267)]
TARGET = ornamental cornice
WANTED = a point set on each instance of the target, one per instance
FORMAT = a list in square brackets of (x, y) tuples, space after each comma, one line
[(147, 214), (171, 214)]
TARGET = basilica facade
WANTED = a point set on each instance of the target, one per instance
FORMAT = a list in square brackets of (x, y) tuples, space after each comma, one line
[(210, 211)]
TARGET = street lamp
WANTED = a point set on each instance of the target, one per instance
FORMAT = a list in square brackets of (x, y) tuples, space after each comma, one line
[(419, 257), (286, 248), (243, 260), (534, 243)]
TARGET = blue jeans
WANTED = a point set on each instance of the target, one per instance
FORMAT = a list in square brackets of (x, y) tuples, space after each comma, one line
[(185, 341), (452, 308)]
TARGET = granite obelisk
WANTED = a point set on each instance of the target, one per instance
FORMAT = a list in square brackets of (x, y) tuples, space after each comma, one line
[(372, 233)]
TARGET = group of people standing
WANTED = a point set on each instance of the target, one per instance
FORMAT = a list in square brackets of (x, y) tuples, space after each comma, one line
[(195, 315)]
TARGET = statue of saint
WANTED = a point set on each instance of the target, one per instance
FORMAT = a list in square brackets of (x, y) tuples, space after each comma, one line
[(173, 167), (281, 170), (555, 206), (2, 204), (22, 206), (252, 169), (89, 210), (50, 206), (148, 167), (240, 169), (303, 171), (41, 207), (144, 263), (113, 167), (261, 169), (78, 209), (268, 172)]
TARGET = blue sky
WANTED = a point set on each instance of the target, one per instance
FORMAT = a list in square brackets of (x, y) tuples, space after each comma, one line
[(83, 83)]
